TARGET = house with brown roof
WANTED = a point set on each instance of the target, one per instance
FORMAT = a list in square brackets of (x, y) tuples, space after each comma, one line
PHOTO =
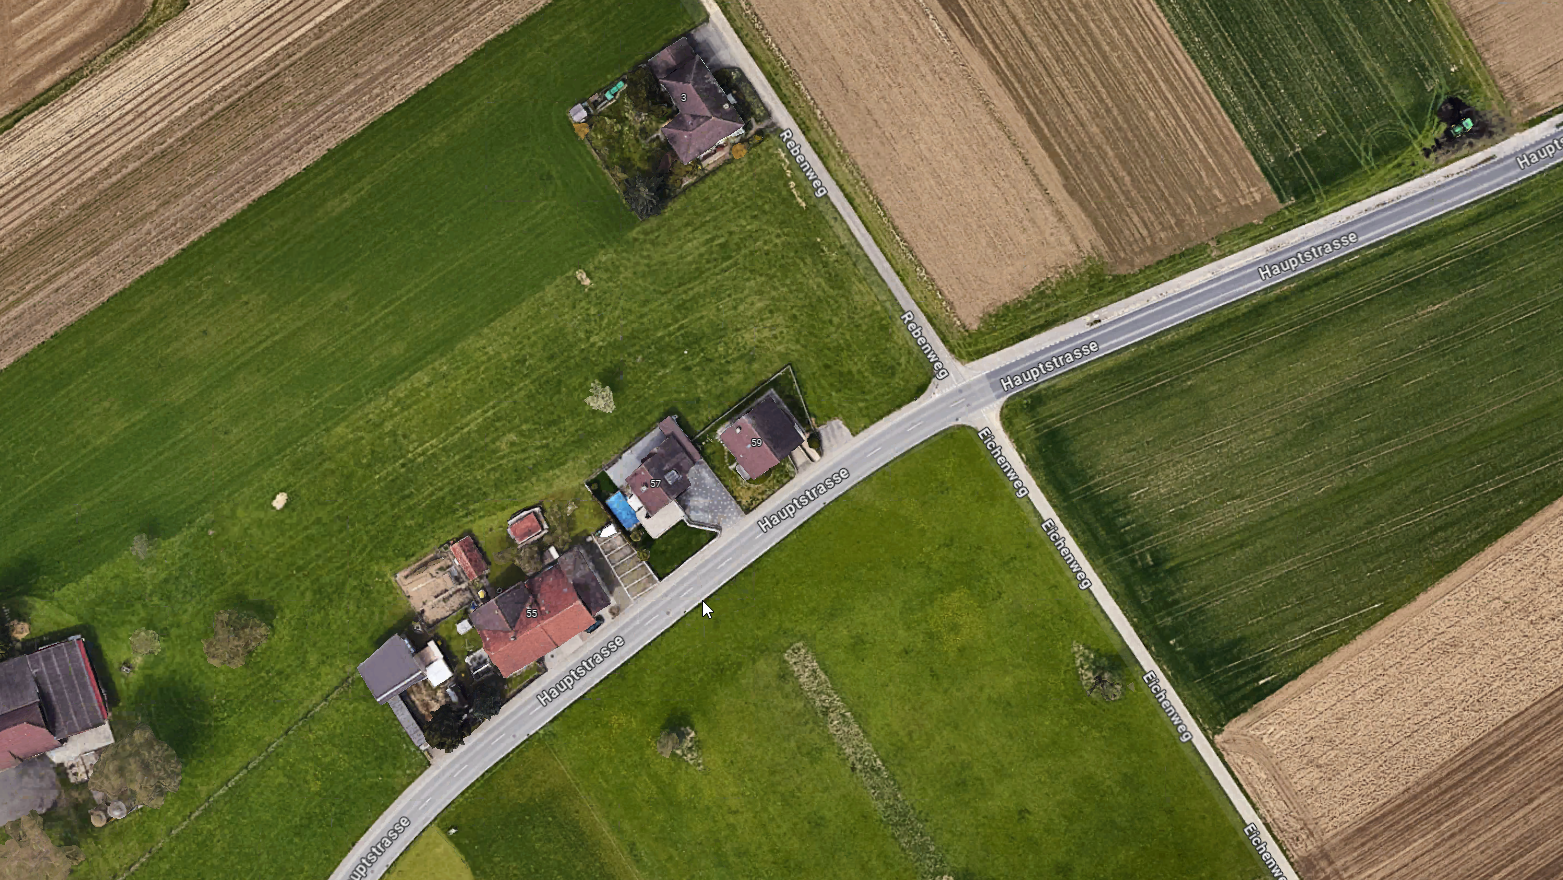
[(664, 481), (530, 620), (707, 117), (761, 437), (50, 703)]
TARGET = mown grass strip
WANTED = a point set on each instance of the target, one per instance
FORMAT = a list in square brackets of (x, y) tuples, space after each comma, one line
[(892, 805)]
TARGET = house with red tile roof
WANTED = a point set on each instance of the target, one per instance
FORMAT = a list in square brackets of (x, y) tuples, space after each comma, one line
[(470, 558), (528, 621), (527, 526)]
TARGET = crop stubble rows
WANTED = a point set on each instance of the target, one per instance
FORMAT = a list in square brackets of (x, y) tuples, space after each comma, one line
[(43, 40), (1429, 745), (212, 112), (1008, 143)]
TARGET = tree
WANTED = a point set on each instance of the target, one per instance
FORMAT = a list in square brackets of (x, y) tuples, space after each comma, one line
[(645, 194), (31, 854), (138, 767), (235, 634), (141, 545), (488, 696), (601, 397), (447, 728)]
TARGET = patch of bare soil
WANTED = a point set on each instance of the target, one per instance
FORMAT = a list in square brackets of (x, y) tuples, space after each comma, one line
[(1522, 43), (1434, 739), (215, 109), (43, 40), (1008, 139)]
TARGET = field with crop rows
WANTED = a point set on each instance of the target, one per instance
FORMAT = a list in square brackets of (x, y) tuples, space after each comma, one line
[(1322, 90), (1522, 42), (1265, 483), (44, 40), (1427, 746)]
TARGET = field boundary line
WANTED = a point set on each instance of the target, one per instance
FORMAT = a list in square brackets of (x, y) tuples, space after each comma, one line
[(592, 808), (234, 780)]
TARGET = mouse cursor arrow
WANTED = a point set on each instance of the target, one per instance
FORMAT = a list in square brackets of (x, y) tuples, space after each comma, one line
[(705, 610)]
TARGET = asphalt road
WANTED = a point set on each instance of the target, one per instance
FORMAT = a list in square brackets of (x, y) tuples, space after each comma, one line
[(968, 397)]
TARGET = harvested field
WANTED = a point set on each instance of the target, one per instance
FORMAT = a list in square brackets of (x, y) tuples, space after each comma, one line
[(1432, 745), (1522, 43), (43, 40), (953, 112), (212, 111)]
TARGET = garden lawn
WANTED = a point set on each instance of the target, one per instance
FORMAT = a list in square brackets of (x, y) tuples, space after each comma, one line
[(1263, 484), (946, 622), (397, 339)]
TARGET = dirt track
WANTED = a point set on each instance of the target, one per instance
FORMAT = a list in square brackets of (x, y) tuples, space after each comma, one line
[(1008, 140), (1435, 738), (43, 40), (1522, 43), (215, 109)]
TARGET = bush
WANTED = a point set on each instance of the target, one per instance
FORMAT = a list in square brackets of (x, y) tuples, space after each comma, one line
[(646, 194), (447, 728), (145, 643), (235, 635), (1100, 674)]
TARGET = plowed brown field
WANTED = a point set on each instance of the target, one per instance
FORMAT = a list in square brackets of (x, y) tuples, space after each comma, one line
[(215, 109), (1431, 746), (1008, 140), (43, 40), (1522, 43)]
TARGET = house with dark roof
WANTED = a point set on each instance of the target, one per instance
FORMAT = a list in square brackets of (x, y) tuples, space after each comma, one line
[(664, 481), (761, 437), (530, 620), (50, 703), (707, 117)]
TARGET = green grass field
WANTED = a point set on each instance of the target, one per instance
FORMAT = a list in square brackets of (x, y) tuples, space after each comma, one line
[(1267, 482), (431, 857), (946, 623), (396, 338), (1323, 91)]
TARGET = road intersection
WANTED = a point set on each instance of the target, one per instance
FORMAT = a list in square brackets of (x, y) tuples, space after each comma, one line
[(971, 395)]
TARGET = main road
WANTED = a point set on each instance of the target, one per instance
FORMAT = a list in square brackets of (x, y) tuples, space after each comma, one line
[(970, 395)]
